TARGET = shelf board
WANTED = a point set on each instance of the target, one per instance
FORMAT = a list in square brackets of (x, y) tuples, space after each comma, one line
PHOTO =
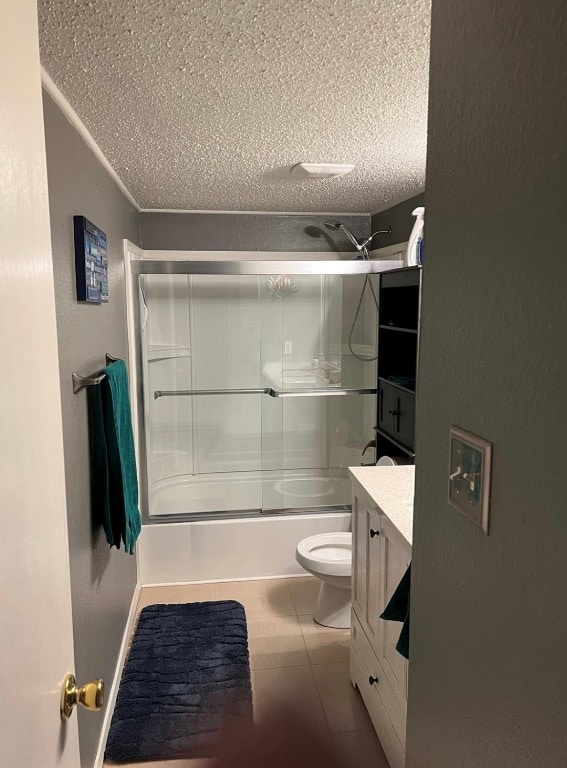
[(398, 328), (158, 352), (393, 440), (397, 386)]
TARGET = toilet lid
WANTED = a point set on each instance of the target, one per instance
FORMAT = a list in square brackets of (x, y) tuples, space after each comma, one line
[(329, 554)]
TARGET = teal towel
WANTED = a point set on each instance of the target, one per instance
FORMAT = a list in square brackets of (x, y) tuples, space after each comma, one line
[(100, 501), (114, 480), (398, 609)]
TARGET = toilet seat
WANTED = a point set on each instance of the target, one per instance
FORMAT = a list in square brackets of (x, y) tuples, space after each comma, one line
[(328, 554)]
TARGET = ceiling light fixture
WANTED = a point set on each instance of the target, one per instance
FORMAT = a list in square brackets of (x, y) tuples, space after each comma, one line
[(320, 170)]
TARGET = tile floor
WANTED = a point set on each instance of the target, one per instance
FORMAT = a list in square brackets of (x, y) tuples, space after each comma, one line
[(293, 661)]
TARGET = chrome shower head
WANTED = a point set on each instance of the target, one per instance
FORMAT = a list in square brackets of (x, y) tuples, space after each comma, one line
[(336, 225)]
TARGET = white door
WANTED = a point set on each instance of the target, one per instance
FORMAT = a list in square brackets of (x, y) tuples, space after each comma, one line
[(36, 644)]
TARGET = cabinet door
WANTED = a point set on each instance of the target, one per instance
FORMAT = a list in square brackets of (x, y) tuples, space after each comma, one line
[(374, 558), (396, 413), (366, 564), (395, 558), (360, 511)]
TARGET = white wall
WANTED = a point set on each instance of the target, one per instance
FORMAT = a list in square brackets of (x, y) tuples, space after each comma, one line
[(488, 672)]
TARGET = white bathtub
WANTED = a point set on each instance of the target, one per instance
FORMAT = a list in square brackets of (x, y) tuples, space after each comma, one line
[(213, 550)]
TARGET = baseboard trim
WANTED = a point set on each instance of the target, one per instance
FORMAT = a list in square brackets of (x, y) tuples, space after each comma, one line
[(113, 693)]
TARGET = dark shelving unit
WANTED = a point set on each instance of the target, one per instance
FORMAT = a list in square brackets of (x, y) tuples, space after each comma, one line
[(398, 333)]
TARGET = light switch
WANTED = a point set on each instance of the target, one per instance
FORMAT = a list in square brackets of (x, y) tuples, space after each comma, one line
[(469, 476), (288, 347)]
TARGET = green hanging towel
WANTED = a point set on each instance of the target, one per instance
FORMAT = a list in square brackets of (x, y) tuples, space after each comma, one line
[(114, 479), (398, 609), (100, 498)]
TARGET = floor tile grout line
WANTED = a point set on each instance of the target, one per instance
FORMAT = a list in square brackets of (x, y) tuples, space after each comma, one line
[(331, 731), (271, 615), (320, 699), (306, 578), (292, 599)]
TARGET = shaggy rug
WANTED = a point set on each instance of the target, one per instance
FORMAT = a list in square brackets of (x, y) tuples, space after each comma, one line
[(187, 676)]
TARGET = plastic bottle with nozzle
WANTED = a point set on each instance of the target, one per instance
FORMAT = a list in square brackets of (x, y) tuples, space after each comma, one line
[(414, 250)]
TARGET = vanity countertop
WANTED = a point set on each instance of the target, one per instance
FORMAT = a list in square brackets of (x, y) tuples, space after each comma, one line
[(391, 489)]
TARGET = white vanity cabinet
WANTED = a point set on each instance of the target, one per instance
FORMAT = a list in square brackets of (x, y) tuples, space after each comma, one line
[(382, 511)]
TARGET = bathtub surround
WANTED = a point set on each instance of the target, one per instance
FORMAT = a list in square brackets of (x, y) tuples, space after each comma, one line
[(241, 444), (489, 615), (102, 580)]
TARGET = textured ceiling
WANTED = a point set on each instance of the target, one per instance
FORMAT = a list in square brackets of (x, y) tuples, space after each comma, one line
[(206, 104)]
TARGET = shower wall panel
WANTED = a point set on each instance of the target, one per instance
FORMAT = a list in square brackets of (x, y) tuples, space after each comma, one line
[(167, 365), (226, 355)]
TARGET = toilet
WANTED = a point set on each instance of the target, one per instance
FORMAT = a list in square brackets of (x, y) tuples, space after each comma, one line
[(329, 557)]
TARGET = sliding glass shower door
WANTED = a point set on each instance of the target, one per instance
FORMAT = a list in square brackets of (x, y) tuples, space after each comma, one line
[(255, 400)]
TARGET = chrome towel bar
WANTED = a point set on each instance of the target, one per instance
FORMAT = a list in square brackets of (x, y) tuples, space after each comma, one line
[(89, 381), (325, 392)]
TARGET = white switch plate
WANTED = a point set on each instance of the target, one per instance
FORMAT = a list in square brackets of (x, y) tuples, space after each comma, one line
[(470, 459), (288, 347)]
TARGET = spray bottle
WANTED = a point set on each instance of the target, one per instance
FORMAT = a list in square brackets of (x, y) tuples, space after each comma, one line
[(414, 253)]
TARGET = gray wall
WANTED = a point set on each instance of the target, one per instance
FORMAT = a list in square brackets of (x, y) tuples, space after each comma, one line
[(399, 218), (246, 232), (488, 677), (102, 580)]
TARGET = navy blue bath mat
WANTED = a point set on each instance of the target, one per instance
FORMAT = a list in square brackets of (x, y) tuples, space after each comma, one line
[(187, 675)]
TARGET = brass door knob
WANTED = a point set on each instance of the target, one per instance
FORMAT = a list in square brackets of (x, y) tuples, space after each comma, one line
[(90, 696)]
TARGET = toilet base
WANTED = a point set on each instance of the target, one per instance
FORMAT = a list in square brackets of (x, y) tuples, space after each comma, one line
[(332, 608)]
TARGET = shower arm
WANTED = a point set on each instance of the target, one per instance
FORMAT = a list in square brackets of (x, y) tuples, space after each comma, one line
[(366, 243)]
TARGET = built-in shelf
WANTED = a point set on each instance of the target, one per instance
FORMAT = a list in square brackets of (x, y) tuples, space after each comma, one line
[(398, 328), (157, 353), (398, 335), (397, 386)]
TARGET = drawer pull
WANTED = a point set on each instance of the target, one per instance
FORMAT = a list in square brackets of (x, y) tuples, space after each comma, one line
[(372, 680), (394, 413), (374, 533)]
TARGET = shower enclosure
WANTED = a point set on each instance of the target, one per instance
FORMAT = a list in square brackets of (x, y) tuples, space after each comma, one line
[(258, 392)]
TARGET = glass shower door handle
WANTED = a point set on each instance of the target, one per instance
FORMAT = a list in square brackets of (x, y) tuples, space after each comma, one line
[(323, 392), (190, 392)]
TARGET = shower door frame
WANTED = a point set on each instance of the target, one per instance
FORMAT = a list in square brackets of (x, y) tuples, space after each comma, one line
[(140, 262)]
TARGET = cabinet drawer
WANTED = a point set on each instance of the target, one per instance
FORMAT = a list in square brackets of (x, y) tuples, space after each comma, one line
[(396, 413), (361, 646)]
